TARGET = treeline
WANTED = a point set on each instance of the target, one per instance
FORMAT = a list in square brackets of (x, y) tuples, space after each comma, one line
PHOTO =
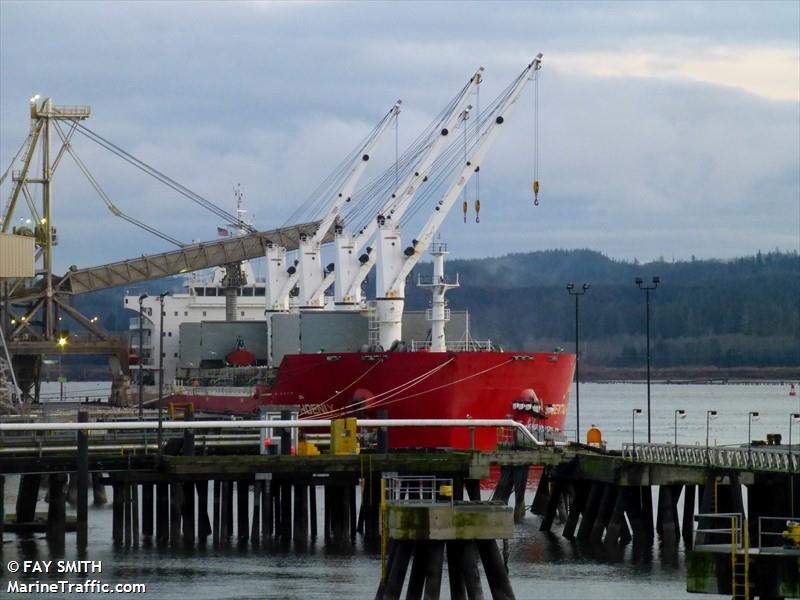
[(743, 312), (733, 313)]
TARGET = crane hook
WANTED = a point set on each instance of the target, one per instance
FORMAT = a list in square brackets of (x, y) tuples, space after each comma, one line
[(477, 210), (466, 207), (536, 193)]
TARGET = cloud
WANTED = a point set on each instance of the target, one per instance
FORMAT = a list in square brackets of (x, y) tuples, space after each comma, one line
[(667, 128)]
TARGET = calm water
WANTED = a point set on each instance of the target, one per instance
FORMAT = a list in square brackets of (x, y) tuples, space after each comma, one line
[(541, 566)]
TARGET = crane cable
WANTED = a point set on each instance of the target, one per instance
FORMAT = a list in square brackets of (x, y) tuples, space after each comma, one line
[(166, 180), (536, 138), (111, 206), (477, 169)]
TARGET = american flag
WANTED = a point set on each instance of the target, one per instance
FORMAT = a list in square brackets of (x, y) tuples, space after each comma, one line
[(222, 232)]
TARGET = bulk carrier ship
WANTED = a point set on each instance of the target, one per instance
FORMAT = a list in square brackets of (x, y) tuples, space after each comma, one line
[(306, 341)]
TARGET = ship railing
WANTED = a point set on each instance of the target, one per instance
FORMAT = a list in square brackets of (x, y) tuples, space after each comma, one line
[(215, 390), (456, 346), (744, 458), (419, 490), (771, 538)]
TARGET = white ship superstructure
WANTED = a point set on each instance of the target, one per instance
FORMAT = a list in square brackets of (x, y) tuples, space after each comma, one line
[(203, 300)]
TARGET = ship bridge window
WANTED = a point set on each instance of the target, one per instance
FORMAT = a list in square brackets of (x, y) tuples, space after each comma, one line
[(200, 291), (211, 291), (259, 291), (248, 291)]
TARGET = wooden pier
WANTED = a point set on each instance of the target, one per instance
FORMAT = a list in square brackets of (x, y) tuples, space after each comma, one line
[(213, 485)]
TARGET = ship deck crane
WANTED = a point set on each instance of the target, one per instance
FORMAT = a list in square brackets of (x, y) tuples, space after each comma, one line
[(397, 264), (308, 275), (352, 267)]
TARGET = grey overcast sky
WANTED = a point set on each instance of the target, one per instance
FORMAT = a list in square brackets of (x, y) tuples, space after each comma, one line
[(667, 129)]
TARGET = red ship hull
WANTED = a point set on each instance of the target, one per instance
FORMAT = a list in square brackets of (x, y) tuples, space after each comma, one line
[(414, 385)]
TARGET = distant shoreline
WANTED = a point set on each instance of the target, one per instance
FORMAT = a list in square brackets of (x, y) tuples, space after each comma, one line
[(693, 375)]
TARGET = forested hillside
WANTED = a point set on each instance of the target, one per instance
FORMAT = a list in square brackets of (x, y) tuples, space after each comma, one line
[(741, 312)]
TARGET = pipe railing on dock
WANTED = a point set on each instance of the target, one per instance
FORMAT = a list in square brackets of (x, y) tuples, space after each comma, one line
[(757, 459), (261, 424)]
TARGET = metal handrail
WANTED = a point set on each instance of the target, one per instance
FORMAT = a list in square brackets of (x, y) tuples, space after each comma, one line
[(421, 490), (757, 459), (733, 529), (765, 548)]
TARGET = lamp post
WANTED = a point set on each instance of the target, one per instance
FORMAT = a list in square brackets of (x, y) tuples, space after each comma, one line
[(682, 414), (577, 293), (750, 416), (792, 417), (709, 415), (161, 370), (647, 288), (141, 355), (636, 411)]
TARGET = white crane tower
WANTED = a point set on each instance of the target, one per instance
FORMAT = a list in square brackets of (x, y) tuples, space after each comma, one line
[(352, 266), (396, 264)]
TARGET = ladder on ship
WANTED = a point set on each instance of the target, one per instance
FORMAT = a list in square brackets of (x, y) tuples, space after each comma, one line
[(740, 560), (373, 327)]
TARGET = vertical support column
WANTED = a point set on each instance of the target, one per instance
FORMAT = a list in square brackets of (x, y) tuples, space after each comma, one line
[(57, 511), (99, 496), (147, 511), (688, 516), (215, 527), (617, 524), (225, 507), (552, 505), (496, 574), (203, 524), (162, 514), (135, 513), (647, 512), (188, 513), (575, 509), (286, 511), (118, 510), (603, 513), (28, 497), (327, 499), (255, 528), (470, 571), (312, 509), (433, 572), (126, 512), (397, 573), (82, 476), (351, 513), (300, 526), (416, 579), (2, 507), (175, 511), (455, 550), (266, 510), (590, 511)]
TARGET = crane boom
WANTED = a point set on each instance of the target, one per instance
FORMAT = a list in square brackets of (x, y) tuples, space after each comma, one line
[(391, 293), (309, 274), (352, 267)]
